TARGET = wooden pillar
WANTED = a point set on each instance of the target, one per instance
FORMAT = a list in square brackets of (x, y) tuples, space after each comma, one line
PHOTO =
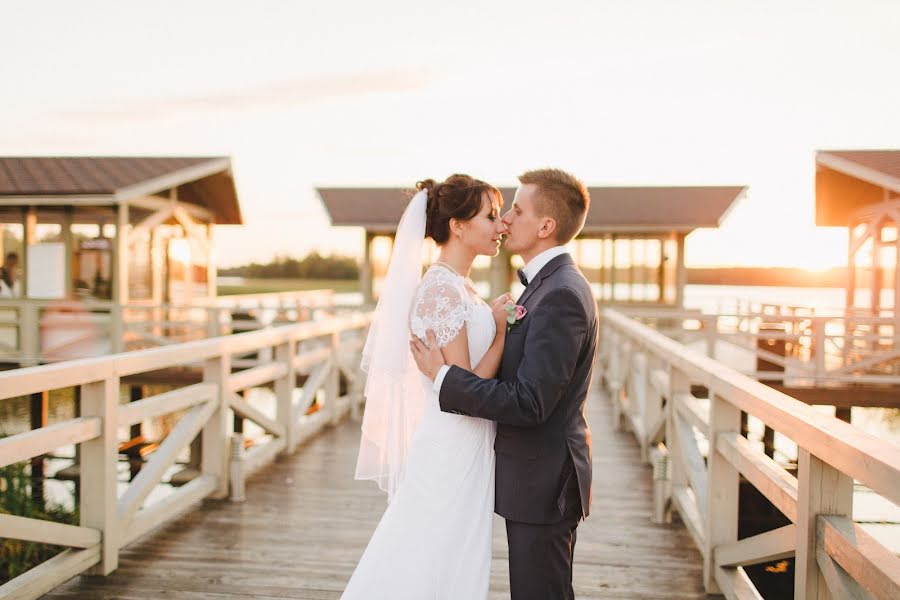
[(876, 272), (366, 271), (850, 300), (821, 490), (500, 274), (680, 271), (661, 272), (211, 270), (612, 268), (215, 441), (119, 277), (29, 237), (68, 251), (722, 488), (98, 471), (602, 271), (895, 306), (631, 269)]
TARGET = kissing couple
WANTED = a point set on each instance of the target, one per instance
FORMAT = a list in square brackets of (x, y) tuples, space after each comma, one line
[(481, 408)]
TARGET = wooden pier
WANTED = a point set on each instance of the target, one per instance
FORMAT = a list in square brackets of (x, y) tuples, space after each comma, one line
[(285, 519), (305, 523)]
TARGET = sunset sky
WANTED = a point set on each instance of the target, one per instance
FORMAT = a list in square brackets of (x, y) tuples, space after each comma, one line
[(343, 93)]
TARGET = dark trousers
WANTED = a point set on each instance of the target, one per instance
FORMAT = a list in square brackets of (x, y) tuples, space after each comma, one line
[(540, 556)]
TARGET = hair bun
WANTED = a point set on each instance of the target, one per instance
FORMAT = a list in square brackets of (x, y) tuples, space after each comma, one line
[(431, 205)]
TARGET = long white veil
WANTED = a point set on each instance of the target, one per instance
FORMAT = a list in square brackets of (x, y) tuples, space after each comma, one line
[(395, 395)]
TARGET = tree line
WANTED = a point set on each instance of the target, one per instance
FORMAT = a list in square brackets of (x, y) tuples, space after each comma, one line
[(312, 266)]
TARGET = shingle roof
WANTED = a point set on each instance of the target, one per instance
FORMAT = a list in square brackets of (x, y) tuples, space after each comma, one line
[(879, 167), (205, 180), (622, 209)]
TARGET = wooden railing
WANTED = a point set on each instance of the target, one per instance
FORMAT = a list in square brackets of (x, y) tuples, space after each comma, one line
[(37, 331), (699, 456), (815, 349), (324, 350)]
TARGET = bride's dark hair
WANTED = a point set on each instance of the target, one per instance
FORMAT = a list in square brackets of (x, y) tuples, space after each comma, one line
[(457, 197)]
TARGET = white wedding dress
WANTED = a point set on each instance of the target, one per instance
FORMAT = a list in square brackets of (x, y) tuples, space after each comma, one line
[(434, 539)]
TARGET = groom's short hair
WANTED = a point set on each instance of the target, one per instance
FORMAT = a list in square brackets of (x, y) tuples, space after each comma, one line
[(562, 197)]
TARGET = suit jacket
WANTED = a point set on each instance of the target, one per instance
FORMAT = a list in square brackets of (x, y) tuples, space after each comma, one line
[(538, 398)]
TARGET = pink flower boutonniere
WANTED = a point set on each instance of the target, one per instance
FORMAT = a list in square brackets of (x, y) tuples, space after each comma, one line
[(514, 314)]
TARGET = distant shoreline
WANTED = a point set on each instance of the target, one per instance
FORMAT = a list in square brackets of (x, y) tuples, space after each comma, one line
[(769, 277)]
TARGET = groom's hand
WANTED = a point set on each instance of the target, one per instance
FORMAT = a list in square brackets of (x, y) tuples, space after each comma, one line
[(428, 356)]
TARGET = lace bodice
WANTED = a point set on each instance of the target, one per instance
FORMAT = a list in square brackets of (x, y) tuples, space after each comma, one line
[(444, 304)]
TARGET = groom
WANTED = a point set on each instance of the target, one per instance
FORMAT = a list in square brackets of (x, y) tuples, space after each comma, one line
[(543, 445)]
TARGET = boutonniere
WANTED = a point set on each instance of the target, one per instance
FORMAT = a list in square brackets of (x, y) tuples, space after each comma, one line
[(514, 314)]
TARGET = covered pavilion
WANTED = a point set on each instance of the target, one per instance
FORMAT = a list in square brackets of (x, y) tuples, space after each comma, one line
[(631, 248)]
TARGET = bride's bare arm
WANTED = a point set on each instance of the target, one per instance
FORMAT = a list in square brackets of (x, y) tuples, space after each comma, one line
[(457, 351), (490, 363)]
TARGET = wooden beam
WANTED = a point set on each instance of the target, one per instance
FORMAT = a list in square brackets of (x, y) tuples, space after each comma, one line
[(164, 457), (166, 403), (23, 446), (822, 490), (765, 547), (43, 578), (48, 532), (771, 479), (865, 559)]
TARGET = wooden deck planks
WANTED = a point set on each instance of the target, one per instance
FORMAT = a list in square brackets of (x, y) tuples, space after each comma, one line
[(306, 522)]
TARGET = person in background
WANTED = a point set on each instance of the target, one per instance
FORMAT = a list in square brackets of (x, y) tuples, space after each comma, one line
[(9, 277)]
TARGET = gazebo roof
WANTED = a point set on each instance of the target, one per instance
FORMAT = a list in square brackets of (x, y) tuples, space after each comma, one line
[(613, 209), (849, 180), (205, 181)]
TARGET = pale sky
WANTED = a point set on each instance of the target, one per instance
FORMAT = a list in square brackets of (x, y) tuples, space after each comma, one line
[(343, 93)]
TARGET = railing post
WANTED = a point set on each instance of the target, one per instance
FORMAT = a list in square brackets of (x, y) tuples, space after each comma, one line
[(214, 438), (722, 486), (678, 384), (653, 408), (662, 485), (821, 490), (29, 334), (236, 468), (818, 325), (116, 328), (284, 394), (98, 471), (614, 378), (212, 321), (711, 323)]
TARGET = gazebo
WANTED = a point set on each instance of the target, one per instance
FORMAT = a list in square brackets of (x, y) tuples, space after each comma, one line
[(860, 190), (631, 247), (100, 233)]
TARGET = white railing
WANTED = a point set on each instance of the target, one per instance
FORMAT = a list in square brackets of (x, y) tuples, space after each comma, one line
[(323, 350), (699, 457), (37, 331), (799, 349)]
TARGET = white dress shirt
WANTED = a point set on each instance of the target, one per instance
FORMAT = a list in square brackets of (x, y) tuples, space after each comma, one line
[(533, 267)]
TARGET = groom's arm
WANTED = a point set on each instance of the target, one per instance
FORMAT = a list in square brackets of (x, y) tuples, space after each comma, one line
[(556, 336)]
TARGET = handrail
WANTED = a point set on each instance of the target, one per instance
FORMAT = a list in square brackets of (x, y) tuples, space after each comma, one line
[(649, 378), (110, 521)]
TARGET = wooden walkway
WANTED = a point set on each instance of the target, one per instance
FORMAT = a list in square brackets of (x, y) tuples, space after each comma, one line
[(306, 522)]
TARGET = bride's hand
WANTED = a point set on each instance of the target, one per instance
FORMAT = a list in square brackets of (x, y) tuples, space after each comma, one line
[(499, 310)]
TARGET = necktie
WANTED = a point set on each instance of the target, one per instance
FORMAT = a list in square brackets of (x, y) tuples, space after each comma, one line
[(522, 276)]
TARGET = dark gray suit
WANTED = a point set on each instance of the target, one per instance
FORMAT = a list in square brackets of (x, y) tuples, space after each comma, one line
[(543, 474)]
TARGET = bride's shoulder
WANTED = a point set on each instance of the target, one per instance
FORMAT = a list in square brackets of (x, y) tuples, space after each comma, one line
[(436, 275)]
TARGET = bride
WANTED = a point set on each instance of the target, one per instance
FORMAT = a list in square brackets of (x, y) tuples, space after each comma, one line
[(434, 539)]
